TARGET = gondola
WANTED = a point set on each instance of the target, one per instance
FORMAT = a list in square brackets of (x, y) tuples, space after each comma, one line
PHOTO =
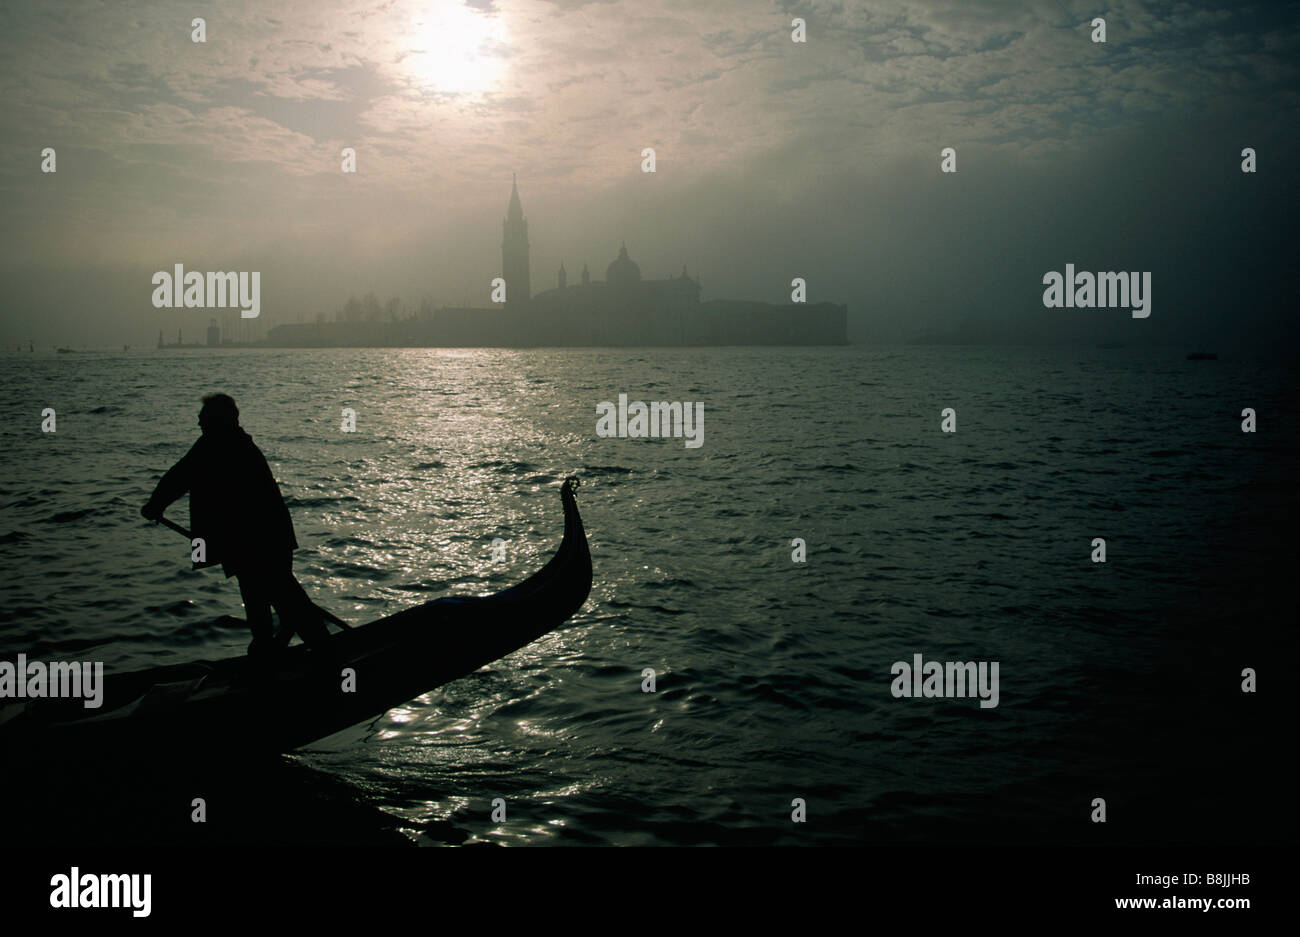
[(231, 708)]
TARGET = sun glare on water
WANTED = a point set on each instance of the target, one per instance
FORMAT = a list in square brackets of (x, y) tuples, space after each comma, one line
[(455, 49)]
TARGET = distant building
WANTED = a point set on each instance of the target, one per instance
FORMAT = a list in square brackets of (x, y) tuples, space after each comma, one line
[(624, 309), (514, 252), (214, 334)]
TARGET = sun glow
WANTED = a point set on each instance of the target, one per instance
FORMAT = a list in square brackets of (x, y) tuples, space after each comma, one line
[(455, 49)]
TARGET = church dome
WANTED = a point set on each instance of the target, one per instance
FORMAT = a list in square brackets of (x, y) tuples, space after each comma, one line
[(623, 271)]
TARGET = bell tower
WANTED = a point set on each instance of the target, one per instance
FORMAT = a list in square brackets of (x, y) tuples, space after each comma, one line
[(514, 252)]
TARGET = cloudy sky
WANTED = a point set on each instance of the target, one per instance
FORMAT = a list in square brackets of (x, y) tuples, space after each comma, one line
[(775, 159)]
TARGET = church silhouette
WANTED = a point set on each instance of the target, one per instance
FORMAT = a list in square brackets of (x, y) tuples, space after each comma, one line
[(623, 309)]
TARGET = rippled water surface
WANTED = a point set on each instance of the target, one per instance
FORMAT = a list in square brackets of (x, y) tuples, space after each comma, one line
[(1117, 680)]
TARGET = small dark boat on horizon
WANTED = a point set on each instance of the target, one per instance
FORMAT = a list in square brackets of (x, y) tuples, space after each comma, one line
[(224, 709), (1203, 356)]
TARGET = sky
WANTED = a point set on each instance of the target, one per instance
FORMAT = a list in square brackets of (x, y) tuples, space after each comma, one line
[(774, 159)]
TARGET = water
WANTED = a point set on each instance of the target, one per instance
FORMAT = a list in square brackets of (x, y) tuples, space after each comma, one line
[(1118, 680)]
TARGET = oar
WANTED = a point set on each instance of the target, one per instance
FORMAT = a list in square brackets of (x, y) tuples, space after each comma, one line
[(328, 615), (168, 522)]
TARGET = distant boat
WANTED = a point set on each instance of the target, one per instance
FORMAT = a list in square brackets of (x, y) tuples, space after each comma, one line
[(64, 350), (1203, 356)]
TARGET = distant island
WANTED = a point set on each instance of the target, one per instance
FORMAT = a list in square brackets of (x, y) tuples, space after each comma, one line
[(623, 309)]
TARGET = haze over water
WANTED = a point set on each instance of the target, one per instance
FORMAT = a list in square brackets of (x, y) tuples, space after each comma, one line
[(775, 159), (1117, 680)]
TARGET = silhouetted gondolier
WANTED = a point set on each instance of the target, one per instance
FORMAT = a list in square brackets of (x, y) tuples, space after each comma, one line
[(237, 510)]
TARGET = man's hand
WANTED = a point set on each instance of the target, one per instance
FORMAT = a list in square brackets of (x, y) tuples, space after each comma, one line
[(150, 511)]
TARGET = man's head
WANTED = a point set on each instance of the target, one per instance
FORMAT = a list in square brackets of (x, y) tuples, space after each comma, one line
[(219, 412)]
